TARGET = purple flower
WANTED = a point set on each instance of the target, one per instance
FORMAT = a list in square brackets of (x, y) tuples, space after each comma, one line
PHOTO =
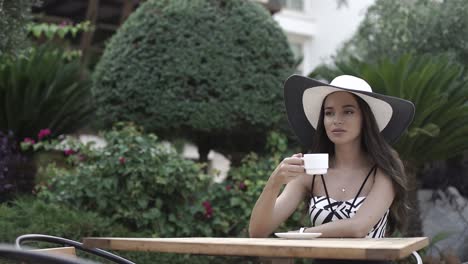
[(208, 209), (242, 186), (29, 140), (69, 152), (43, 133)]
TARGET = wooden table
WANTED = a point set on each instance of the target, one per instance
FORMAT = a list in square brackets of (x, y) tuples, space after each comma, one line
[(320, 248)]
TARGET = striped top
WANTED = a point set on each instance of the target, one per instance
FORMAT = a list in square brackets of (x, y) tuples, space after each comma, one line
[(324, 209)]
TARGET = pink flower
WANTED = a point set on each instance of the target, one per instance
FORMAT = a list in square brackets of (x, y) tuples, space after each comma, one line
[(228, 187), (242, 186), (206, 204), (122, 160), (63, 24), (29, 140), (69, 152), (208, 209), (209, 213), (43, 133)]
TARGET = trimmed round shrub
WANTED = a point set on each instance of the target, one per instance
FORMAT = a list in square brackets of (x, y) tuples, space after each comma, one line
[(210, 71)]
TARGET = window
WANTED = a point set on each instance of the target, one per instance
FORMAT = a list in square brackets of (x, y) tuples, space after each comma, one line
[(296, 5)]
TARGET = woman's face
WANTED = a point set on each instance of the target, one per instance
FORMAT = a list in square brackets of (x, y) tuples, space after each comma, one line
[(342, 118)]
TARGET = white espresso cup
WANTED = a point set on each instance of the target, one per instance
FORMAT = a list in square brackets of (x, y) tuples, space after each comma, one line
[(316, 163)]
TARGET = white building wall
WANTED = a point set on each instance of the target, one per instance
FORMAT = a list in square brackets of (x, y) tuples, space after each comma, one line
[(321, 27)]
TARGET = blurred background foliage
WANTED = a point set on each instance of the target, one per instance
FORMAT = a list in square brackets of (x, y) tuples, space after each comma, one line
[(14, 17), (393, 28)]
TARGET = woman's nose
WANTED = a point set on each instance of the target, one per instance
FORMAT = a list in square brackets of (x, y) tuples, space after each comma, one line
[(337, 120)]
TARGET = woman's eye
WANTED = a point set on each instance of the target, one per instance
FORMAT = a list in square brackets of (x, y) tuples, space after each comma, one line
[(349, 112), (328, 113)]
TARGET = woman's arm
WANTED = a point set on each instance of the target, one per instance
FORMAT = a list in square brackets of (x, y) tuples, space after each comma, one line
[(375, 206), (270, 210)]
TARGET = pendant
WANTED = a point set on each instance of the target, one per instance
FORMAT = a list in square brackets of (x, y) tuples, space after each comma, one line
[(343, 190)]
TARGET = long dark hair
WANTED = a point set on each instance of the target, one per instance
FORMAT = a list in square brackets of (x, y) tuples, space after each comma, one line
[(381, 154)]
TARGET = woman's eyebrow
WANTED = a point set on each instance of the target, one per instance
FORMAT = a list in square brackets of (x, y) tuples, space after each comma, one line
[(348, 105), (344, 106)]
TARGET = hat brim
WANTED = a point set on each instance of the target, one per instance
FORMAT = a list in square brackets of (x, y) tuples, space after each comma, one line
[(402, 111)]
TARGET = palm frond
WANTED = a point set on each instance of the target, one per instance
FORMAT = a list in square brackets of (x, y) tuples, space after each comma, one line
[(41, 90)]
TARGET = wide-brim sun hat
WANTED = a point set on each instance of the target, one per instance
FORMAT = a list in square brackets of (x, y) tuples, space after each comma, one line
[(304, 98)]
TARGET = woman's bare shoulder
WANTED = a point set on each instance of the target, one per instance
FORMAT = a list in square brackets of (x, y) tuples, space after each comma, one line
[(383, 180)]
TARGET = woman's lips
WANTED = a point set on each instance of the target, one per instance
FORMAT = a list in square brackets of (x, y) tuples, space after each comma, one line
[(337, 130)]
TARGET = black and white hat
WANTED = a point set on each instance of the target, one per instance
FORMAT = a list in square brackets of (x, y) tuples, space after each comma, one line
[(304, 98)]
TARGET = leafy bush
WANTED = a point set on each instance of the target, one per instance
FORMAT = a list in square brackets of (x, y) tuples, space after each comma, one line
[(41, 90), (134, 180), (16, 168), (156, 190), (52, 30), (392, 28), (228, 205), (210, 71), (28, 215)]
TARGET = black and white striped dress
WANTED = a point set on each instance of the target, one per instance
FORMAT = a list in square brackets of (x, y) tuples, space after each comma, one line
[(324, 209)]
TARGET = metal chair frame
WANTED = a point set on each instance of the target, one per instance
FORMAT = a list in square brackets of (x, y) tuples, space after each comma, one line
[(67, 242), (418, 258), (11, 253)]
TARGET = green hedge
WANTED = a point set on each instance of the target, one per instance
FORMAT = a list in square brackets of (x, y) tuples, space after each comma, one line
[(28, 215), (207, 70)]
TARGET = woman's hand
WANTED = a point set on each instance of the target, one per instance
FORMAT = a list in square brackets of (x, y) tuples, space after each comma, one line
[(301, 230), (271, 210), (289, 169)]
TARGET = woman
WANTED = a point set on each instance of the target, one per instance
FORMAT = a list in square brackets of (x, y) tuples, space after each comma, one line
[(363, 192)]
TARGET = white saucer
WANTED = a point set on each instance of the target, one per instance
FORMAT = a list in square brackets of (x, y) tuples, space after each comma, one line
[(294, 235)]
